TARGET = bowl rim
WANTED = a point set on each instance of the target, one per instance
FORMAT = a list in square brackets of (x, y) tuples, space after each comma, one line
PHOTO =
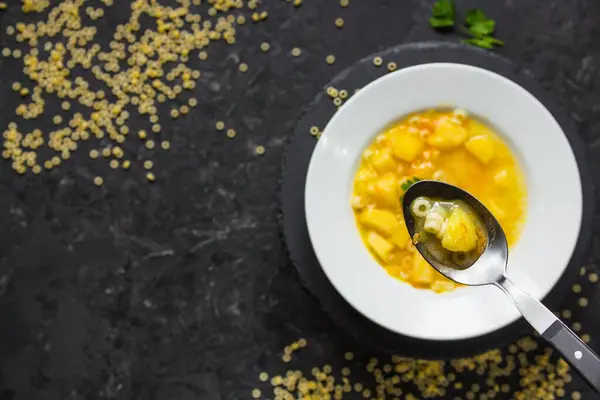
[(381, 81)]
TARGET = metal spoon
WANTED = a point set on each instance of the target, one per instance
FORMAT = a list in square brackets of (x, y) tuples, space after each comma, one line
[(490, 269)]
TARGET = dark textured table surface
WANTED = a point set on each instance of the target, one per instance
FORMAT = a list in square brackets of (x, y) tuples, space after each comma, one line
[(181, 289)]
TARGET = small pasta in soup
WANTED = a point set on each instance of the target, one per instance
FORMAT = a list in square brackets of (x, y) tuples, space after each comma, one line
[(449, 230)]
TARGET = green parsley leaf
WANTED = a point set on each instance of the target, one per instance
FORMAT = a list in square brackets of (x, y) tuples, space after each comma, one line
[(408, 183), (442, 14), (483, 42), (481, 28), (479, 24)]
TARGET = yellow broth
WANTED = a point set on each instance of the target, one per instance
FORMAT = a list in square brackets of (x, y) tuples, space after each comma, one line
[(449, 230), (448, 146)]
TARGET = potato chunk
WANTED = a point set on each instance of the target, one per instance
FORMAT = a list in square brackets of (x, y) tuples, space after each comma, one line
[(407, 146), (482, 147), (461, 232), (385, 190), (447, 134), (477, 128), (422, 272), (400, 237), (495, 209), (380, 246), (383, 221), (364, 177), (383, 161), (505, 178)]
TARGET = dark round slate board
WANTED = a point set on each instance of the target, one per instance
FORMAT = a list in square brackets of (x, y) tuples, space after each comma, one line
[(293, 223)]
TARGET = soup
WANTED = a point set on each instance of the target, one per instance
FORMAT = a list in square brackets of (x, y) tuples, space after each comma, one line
[(450, 231), (448, 146)]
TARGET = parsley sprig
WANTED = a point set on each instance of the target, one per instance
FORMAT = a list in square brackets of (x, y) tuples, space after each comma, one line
[(408, 183), (482, 29), (442, 14), (477, 24)]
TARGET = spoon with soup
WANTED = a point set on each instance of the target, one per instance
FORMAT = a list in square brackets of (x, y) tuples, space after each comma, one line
[(460, 238)]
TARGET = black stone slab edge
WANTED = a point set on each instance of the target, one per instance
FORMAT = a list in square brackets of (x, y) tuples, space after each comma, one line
[(292, 217)]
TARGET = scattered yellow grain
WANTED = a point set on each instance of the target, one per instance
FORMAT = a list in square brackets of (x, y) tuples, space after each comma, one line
[(137, 66), (586, 338), (332, 92)]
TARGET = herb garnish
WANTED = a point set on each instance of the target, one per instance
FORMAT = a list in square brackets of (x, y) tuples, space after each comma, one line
[(408, 183), (477, 24), (442, 14), (481, 28)]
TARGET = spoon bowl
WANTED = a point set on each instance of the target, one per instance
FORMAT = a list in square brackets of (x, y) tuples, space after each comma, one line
[(491, 265), (490, 269)]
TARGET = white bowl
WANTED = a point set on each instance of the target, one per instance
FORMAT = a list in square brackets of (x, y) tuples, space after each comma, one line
[(553, 216)]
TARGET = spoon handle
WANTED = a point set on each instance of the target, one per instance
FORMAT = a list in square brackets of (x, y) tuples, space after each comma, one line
[(574, 350)]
